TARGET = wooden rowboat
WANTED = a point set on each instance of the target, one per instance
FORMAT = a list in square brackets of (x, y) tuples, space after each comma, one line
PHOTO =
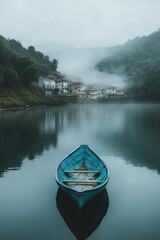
[(82, 174)]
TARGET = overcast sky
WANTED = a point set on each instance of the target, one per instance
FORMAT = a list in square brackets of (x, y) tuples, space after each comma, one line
[(82, 23)]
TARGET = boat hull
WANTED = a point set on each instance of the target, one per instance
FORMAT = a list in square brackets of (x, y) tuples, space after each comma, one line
[(82, 175), (81, 198)]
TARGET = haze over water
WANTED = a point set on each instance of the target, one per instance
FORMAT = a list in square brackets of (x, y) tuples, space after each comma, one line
[(32, 144)]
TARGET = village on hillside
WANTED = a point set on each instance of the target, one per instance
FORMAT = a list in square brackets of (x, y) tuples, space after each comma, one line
[(57, 84)]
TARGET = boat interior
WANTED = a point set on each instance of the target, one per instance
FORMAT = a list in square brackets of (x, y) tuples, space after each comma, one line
[(82, 169)]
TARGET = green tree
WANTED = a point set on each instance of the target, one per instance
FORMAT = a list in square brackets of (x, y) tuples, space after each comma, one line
[(31, 49), (139, 61), (15, 44), (2, 71), (24, 65), (30, 75), (46, 58), (54, 65), (11, 78)]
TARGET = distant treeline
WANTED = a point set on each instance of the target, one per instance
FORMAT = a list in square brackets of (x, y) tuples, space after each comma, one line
[(20, 66), (139, 62)]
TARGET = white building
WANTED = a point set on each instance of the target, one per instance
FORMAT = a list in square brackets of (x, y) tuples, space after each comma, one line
[(47, 84), (62, 85), (56, 84), (106, 93), (52, 85)]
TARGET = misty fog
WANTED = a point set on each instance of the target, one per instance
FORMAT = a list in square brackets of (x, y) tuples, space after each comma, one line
[(84, 24), (78, 64)]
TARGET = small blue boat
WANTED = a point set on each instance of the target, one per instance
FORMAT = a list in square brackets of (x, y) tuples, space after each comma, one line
[(82, 174)]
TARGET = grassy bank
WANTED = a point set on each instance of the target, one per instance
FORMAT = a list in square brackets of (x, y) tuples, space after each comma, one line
[(28, 97)]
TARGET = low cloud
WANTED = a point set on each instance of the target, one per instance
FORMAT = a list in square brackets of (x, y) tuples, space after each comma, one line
[(79, 65)]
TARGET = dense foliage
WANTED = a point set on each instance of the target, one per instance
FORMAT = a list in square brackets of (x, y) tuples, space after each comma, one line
[(139, 62), (20, 66)]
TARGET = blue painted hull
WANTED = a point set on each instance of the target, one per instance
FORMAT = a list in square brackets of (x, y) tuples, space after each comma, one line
[(81, 198), (78, 158)]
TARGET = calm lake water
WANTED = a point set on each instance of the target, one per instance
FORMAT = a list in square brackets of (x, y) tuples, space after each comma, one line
[(32, 144)]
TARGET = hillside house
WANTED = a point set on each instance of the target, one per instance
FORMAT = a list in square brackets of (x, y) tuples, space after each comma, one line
[(53, 84)]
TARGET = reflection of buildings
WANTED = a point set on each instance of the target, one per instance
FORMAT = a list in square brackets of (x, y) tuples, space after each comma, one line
[(131, 131), (82, 222), (57, 120), (47, 125)]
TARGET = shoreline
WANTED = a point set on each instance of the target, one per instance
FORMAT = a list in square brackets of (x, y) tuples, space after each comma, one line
[(60, 100), (17, 102)]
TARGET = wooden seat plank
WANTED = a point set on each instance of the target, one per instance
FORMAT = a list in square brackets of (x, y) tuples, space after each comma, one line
[(81, 171), (82, 182)]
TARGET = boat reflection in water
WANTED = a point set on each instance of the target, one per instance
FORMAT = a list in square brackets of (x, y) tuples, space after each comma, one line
[(82, 222)]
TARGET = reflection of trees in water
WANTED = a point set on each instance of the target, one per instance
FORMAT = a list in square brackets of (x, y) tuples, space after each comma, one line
[(20, 137), (27, 133), (138, 137), (128, 131)]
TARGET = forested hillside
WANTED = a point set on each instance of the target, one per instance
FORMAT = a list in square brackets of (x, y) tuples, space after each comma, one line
[(139, 62), (20, 66)]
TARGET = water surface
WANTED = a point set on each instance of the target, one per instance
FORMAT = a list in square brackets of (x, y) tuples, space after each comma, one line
[(32, 144)]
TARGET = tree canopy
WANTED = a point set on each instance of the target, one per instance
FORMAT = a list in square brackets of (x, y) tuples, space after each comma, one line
[(139, 62), (20, 66)]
